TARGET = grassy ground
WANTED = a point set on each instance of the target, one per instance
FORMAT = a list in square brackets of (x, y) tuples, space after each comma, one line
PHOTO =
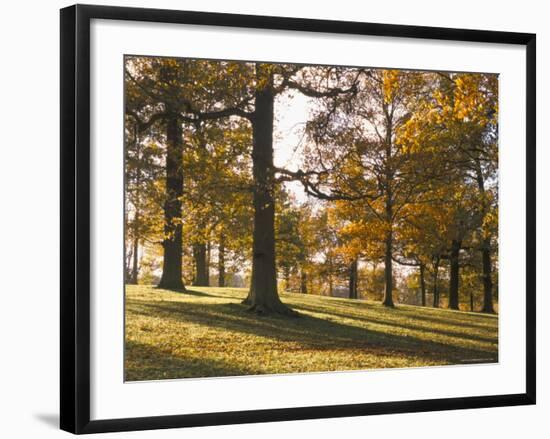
[(207, 332)]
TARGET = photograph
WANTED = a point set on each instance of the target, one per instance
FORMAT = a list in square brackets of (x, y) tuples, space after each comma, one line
[(285, 218)]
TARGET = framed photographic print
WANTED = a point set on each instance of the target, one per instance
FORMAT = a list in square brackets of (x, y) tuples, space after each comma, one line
[(267, 218)]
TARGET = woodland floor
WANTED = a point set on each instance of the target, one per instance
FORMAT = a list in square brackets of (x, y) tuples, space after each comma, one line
[(207, 332)]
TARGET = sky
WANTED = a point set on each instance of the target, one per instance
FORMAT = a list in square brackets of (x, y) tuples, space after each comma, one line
[(291, 113)]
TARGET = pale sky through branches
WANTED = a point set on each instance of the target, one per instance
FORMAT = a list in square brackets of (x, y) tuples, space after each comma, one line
[(291, 114)]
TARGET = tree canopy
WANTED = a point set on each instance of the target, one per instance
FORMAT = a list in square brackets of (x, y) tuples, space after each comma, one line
[(389, 191)]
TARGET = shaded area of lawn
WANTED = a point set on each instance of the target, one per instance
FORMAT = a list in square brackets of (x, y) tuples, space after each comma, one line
[(207, 332)]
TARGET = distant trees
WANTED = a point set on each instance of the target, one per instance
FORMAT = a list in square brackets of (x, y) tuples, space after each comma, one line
[(162, 93), (400, 170), (364, 161), (459, 120)]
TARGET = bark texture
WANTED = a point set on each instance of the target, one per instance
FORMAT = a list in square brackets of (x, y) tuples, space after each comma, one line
[(487, 281), (200, 255), (172, 244), (485, 248), (263, 297), (388, 272)]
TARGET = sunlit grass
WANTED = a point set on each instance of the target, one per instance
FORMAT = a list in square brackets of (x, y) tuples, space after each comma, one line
[(207, 332)]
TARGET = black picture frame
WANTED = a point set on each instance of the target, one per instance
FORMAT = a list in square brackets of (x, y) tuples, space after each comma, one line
[(75, 217)]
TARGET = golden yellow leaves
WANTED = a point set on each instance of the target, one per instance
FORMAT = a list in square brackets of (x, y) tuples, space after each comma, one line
[(390, 84), (474, 98)]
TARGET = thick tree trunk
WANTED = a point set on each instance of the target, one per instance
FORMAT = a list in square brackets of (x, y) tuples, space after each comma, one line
[(201, 271), (422, 284), (172, 245), (221, 261), (353, 280), (263, 296), (435, 282), (455, 274), (487, 282)]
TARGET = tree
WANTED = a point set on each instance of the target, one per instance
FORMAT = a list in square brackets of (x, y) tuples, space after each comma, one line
[(459, 119), (169, 93), (217, 193), (143, 222), (358, 156), (401, 166), (292, 249), (338, 258), (257, 107), (152, 88)]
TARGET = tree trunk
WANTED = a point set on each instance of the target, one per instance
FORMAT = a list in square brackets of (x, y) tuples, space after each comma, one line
[(487, 282), (263, 296), (455, 274), (388, 272), (353, 280), (303, 282), (286, 275), (172, 244), (388, 261), (435, 282), (330, 278), (128, 270), (208, 259), (135, 260), (221, 261), (422, 284), (135, 251), (201, 271), (485, 248)]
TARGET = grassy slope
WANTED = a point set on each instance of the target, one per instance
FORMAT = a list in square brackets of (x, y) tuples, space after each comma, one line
[(207, 332)]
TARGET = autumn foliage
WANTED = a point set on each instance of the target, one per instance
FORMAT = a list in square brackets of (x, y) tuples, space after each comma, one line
[(389, 190)]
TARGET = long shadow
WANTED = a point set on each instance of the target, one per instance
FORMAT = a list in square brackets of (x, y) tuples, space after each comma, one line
[(456, 320), (451, 318), (154, 363), (308, 331), (410, 308), (452, 314), (190, 292), (393, 323)]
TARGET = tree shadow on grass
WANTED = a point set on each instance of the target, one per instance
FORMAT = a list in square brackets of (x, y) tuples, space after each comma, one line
[(192, 292), (309, 332), (409, 326), (146, 362), (482, 321), (436, 315)]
